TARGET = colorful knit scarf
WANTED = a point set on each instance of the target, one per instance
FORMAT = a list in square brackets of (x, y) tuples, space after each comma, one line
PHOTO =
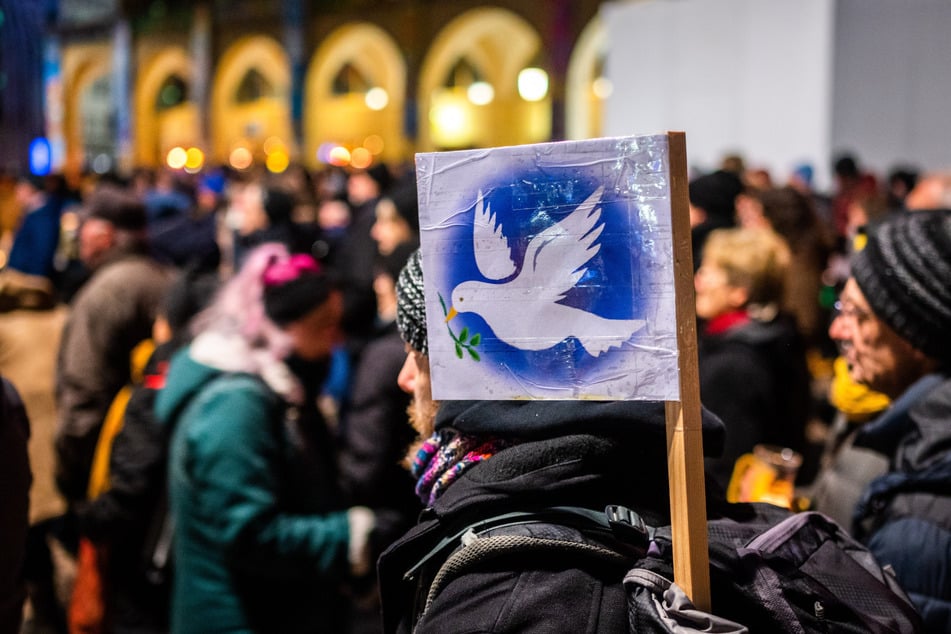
[(445, 456)]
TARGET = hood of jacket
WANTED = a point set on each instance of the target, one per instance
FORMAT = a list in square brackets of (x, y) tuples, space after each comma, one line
[(641, 421), (212, 354)]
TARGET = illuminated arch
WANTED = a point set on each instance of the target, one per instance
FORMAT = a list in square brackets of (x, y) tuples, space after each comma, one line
[(583, 109), (155, 131), (500, 44), (251, 123), (345, 118), (83, 65)]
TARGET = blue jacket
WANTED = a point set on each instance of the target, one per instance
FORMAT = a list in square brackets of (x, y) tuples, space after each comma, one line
[(905, 516), (36, 240)]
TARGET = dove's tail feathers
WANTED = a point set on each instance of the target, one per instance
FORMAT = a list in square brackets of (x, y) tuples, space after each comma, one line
[(596, 345)]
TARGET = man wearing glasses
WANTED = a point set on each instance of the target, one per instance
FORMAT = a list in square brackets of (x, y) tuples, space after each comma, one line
[(894, 329)]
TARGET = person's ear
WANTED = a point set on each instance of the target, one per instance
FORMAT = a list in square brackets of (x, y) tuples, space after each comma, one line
[(738, 296)]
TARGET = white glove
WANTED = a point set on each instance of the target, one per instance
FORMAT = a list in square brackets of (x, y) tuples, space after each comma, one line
[(361, 521)]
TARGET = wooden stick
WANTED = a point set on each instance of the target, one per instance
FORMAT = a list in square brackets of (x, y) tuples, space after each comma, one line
[(684, 441)]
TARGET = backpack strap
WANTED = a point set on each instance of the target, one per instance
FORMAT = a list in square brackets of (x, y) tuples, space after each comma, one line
[(478, 550), (468, 550), (617, 521)]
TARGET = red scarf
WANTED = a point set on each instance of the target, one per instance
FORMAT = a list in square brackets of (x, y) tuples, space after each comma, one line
[(727, 321)]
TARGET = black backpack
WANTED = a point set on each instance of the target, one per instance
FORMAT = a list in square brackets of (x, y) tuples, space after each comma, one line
[(775, 572)]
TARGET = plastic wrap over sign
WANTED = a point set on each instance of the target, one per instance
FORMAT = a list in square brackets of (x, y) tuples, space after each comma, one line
[(548, 271)]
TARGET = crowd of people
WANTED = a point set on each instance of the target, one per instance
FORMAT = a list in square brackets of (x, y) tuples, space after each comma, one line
[(245, 422)]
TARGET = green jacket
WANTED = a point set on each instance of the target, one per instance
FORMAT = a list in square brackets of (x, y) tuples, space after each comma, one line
[(260, 543)]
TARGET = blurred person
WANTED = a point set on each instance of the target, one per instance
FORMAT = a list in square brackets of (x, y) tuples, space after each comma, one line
[(901, 181), (932, 191), (109, 316), (850, 183), (164, 197), (358, 251), (28, 279), (712, 206), (262, 539), (894, 328), (397, 219), (268, 216), (191, 237), (15, 480), (375, 434), (125, 518), (752, 362), (792, 216)]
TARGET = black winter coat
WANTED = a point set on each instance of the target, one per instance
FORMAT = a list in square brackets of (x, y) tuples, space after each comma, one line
[(755, 378), (571, 453)]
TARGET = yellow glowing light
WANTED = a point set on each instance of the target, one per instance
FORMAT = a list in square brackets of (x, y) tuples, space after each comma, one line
[(376, 98), (277, 161), (361, 158), (449, 119), (240, 158), (373, 143), (602, 87), (194, 159), (273, 144), (176, 158), (480, 93), (339, 156), (532, 84)]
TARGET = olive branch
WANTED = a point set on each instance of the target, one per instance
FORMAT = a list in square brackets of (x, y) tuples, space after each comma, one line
[(463, 341)]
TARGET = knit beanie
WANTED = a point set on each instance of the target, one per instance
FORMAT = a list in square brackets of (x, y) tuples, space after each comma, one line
[(411, 304), (294, 287), (904, 272)]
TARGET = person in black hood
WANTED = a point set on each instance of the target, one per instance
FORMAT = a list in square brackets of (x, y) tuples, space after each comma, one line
[(477, 459)]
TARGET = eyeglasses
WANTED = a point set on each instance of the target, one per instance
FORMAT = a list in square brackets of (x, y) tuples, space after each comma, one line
[(850, 312)]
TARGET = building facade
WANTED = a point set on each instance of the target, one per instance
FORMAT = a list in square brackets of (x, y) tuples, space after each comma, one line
[(145, 82)]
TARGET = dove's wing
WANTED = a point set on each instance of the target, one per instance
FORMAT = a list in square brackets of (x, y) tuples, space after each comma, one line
[(555, 259), (492, 253)]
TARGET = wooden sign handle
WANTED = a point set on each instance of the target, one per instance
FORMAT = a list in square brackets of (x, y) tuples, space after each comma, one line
[(684, 441)]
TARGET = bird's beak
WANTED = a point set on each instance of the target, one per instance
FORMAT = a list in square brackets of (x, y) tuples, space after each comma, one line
[(452, 313)]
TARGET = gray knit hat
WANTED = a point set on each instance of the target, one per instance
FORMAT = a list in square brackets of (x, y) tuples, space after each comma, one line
[(905, 274), (411, 304)]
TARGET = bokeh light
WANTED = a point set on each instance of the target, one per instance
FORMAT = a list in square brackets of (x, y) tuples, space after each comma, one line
[(532, 84), (277, 161), (361, 158), (273, 144), (176, 158), (376, 98), (339, 156), (240, 158), (480, 93), (602, 87), (194, 159), (373, 143)]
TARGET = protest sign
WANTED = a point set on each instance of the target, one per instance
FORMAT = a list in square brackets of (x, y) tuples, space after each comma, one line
[(549, 271), (564, 270)]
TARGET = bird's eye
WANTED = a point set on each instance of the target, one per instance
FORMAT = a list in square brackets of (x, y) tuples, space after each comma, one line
[(462, 299)]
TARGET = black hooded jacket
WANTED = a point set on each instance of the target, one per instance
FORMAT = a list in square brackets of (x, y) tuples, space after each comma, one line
[(576, 453)]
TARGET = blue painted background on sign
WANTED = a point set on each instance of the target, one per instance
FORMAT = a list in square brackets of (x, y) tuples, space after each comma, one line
[(525, 205)]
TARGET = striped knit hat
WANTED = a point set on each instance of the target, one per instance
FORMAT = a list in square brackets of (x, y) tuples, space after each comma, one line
[(411, 304), (905, 274)]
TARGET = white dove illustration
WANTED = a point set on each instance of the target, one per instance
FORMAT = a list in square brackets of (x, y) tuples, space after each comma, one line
[(524, 311)]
